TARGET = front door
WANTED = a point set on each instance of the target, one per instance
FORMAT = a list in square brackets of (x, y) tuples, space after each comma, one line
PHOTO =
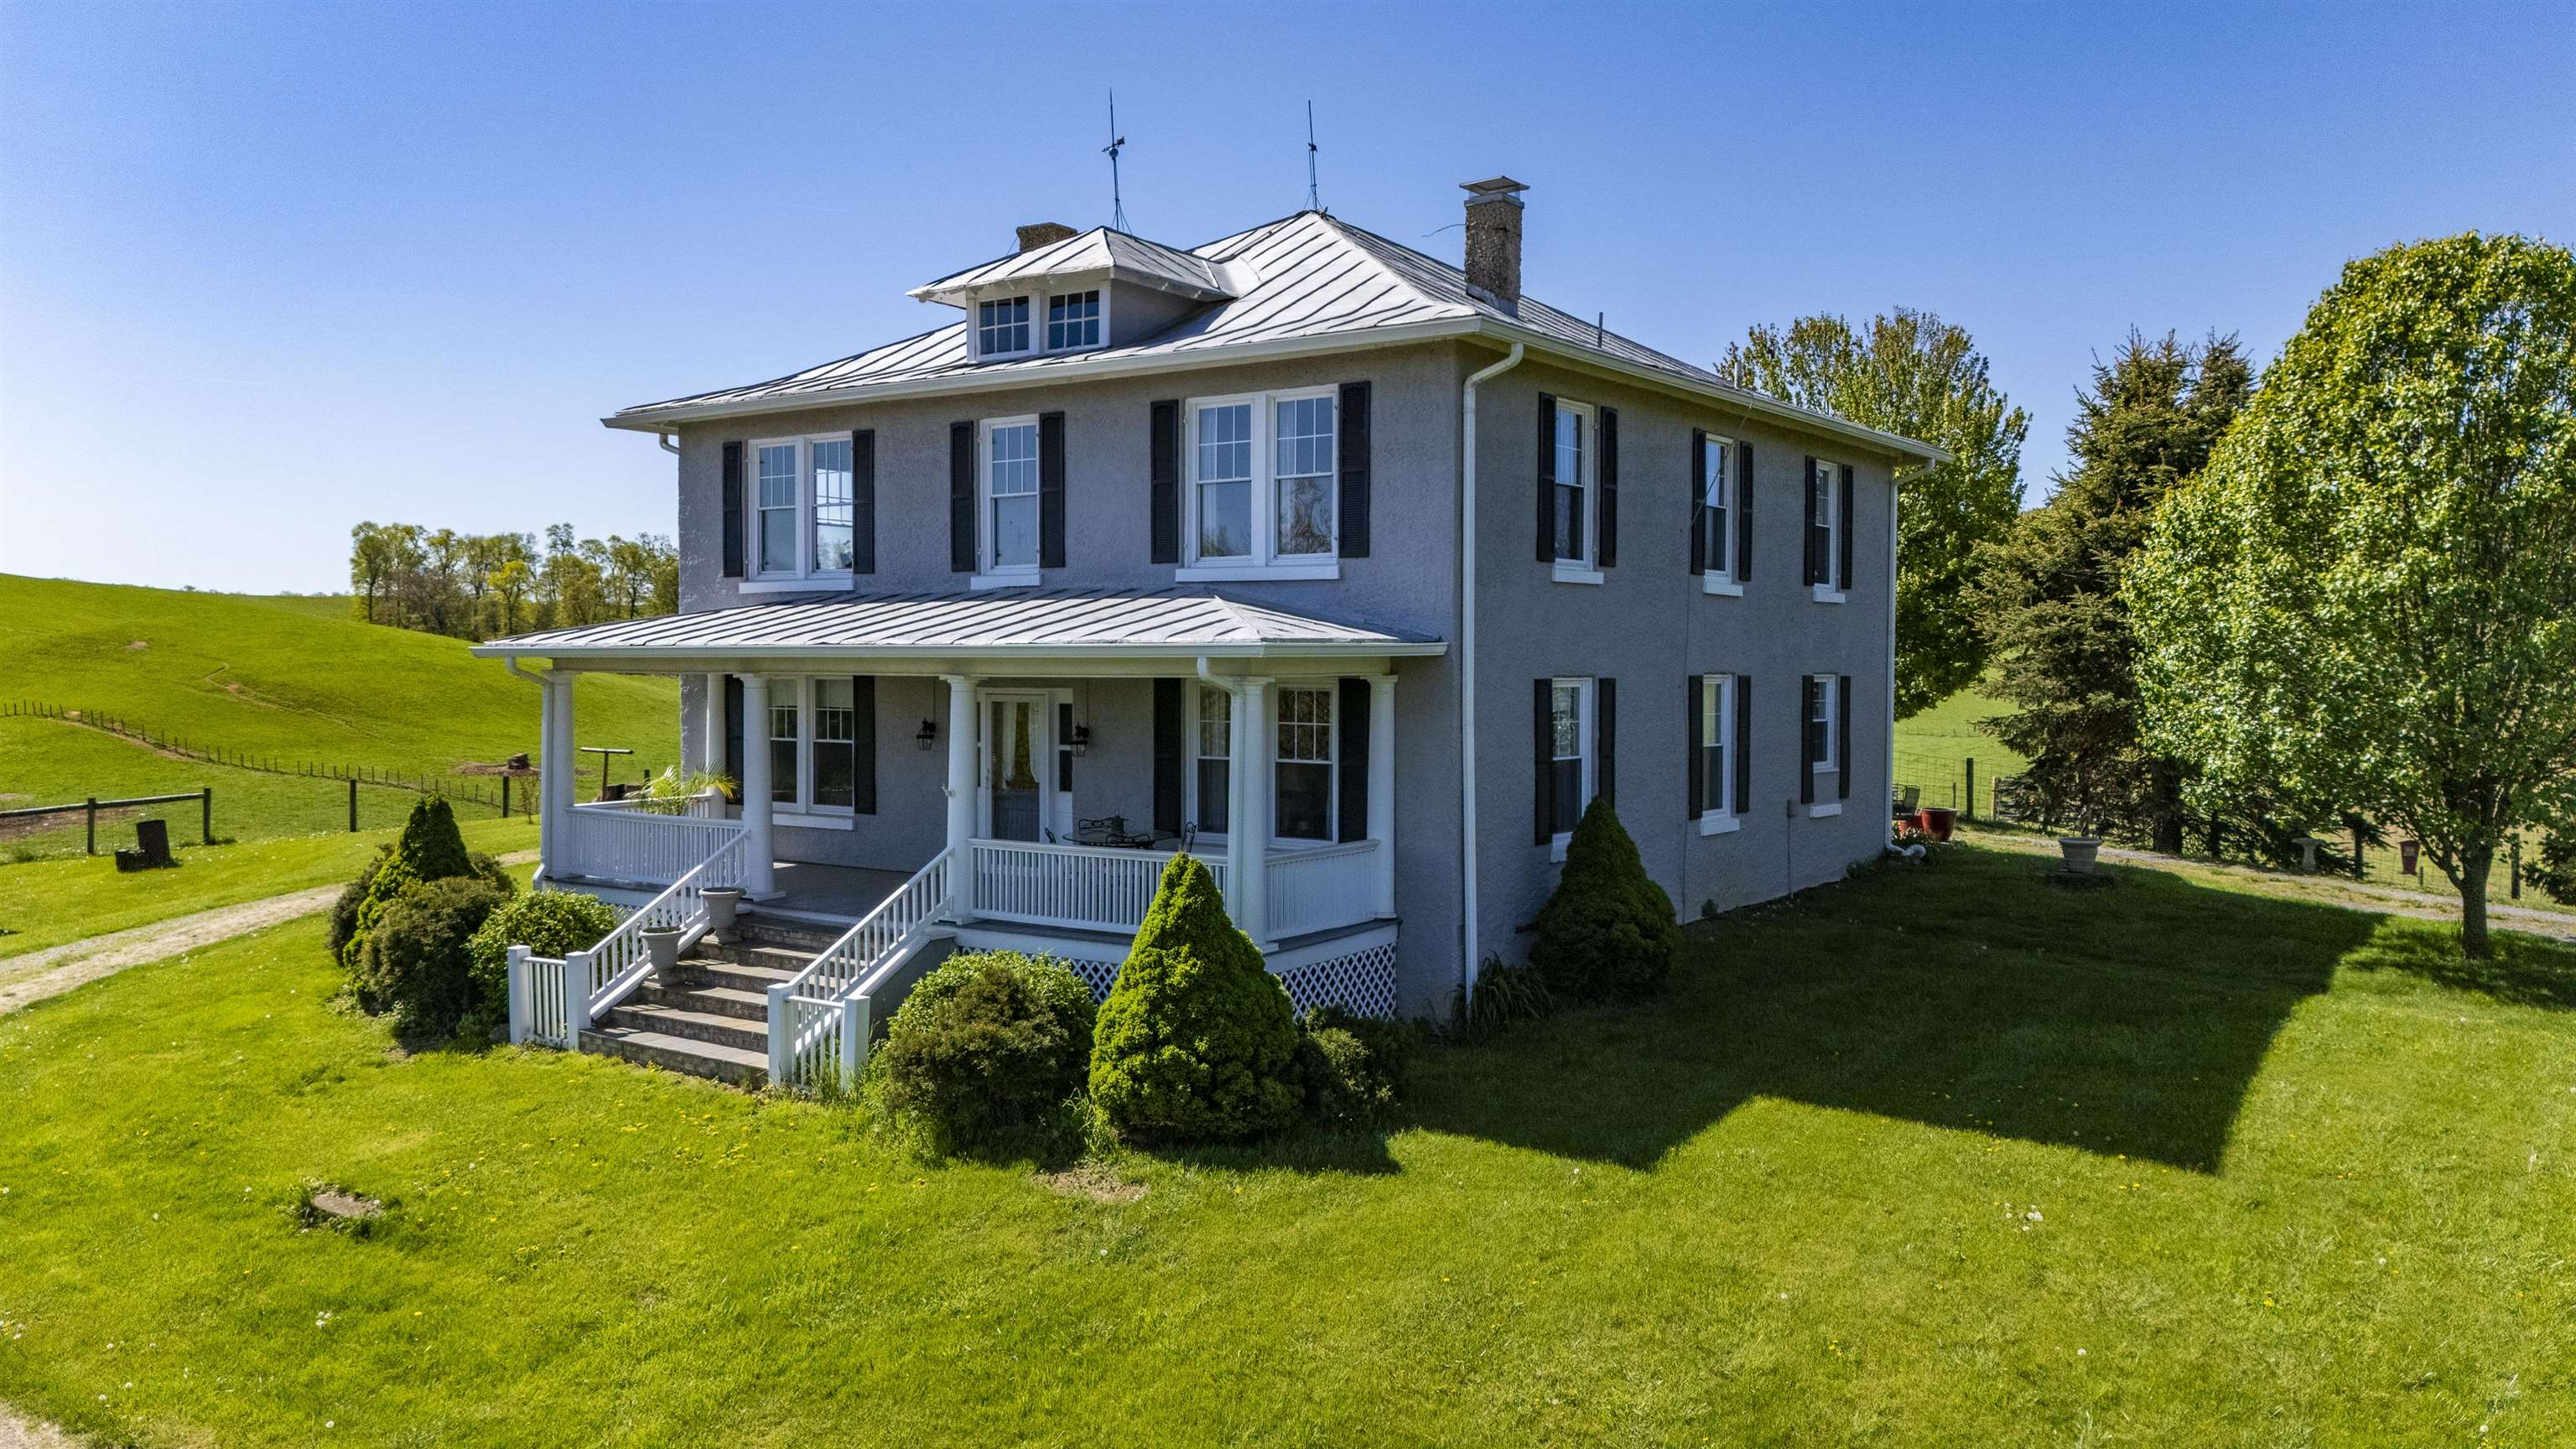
[(1019, 750)]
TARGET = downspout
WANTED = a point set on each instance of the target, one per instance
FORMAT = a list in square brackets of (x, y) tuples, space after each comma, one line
[(1467, 836), (1894, 501), (670, 441)]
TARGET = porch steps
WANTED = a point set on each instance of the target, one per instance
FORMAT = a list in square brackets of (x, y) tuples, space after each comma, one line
[(710, 1018)]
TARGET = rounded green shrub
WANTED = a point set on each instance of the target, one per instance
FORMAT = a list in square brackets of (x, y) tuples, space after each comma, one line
[(988, 1047), (1196, 1041), (548, 923), (1609, 931), (415, 962), (344, 911), (1354, 1066)]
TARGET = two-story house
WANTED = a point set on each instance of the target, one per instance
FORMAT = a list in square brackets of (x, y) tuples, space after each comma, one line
[(1354, 572)]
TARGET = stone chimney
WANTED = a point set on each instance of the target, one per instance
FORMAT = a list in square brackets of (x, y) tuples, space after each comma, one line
[(1494, 240), (1047, 233)]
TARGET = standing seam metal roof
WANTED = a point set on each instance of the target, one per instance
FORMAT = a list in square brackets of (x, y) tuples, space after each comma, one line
[(1165, 621)]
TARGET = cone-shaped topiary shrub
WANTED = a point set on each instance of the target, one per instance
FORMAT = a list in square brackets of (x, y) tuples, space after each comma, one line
[(417, 962), (986, 1051), (1609, 931), (1196, 1041), (431, 848)]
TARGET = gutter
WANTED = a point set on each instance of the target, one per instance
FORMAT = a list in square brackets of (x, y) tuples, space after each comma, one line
[(1467, 834)]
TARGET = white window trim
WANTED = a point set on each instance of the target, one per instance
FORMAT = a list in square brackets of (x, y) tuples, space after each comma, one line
[(1716, 578), (988, 574), (1583, 736), (1584, 570), (804, 577), (1197, 715), (1830, 474), (975, 324), (1727, 817), (802, 812), (1266, 563), (1826, 692), (1823, 809), (1039, 315), (1331, 685)]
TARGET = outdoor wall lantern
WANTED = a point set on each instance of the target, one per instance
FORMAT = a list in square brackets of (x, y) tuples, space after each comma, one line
[(927, 735), (1081, 739)]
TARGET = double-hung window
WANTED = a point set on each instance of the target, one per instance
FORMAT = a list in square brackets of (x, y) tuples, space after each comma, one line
[(780, 474), (1001, 327), (1214, 775), (1262, 490), (1824, 528), (821, 741), (1713, 768), (786, 746), (1305, 764), (1570, 762), (1573, 441), (1717, 522), (832, 503), (1073, 320), (835, 745), (1010, 503)]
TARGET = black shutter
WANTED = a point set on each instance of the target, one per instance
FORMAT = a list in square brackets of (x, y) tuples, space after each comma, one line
[(1546, 480), (961, 498), (1847, 527), (1698, 522), (1606, 541), (1354, 764), (1842, 731), (863, 503), (1806, 739), (1353, 514), (1813, 535), (1743, 742), (1543, 739), (1743, 512), (1167, 756), (1163, 482), (1605, 739), (863, 747), (1696, 770), (1063, 755), (733, 731), (733, 510), (1050, 490)]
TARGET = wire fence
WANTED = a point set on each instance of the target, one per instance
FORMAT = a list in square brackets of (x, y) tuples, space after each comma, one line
[(496, 797)]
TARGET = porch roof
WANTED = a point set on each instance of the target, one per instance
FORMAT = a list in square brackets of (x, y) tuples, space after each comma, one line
[(1111, 623)]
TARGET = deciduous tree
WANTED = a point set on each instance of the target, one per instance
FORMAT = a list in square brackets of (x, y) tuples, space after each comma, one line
[(1916, 375), (2371, 591)]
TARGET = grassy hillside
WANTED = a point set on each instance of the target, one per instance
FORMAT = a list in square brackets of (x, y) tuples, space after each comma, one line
[(1932, 749), (295, 678)]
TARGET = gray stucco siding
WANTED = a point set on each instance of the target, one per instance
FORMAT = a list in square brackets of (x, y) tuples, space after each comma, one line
[(1651, 626)]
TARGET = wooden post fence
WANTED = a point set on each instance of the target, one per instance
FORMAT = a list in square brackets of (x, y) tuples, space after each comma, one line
[(206, 816), (1972, 787), (353, 804)]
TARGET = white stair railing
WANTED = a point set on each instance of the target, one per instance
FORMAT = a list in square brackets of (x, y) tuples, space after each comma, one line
[(555, 1001), (819, 1020)]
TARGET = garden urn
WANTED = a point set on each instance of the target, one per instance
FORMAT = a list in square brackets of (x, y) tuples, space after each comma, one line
[(2081, 851), (662, 943), (1936, 820), (721, 903)]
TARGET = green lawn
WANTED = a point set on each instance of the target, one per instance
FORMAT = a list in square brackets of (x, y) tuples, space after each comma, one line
[(49, 902), (1941, 1156), (294, 678)]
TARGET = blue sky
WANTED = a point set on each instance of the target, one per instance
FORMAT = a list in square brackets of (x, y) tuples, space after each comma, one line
[(267, 270)]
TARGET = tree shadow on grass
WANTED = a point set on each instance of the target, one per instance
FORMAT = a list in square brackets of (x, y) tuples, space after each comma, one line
[(1968, 994), (2524, 971)]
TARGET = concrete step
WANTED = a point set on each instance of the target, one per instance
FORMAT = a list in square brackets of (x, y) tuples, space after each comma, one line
[(703, 1026), (751, 928), (745, 1002), (790, 959), (740, 976), (679, 1054)]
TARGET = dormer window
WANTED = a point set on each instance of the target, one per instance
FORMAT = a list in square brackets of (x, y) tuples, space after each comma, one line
[(1002, 327), (1073, 320)]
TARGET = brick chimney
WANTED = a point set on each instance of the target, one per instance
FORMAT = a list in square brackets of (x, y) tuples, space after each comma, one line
[(1047, 233), (1494, 240)]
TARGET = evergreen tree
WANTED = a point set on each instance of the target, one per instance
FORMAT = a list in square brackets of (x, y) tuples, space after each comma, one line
[(1609, 930), (2048, 595), (430, 848)]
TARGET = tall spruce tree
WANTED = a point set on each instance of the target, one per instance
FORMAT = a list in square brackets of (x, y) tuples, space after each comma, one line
[(2048, 595), (1914, 374)]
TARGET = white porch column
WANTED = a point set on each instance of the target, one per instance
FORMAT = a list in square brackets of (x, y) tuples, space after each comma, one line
[(961, 795), (1247, 841), (711, 727), (759, 880), (1381, 786), (557, 764)]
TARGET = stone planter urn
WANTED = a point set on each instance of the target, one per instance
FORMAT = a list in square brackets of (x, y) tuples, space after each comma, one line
[(662, 943), (721, 904), (2082, 852)]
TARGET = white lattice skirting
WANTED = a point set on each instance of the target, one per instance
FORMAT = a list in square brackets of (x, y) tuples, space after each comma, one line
[(1362, 983)]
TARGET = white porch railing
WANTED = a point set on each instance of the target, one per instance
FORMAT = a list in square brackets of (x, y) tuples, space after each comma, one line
[(1316, 890), (606, 843), (1079, 887), (819, 1021), (705, 805), (555, 1000)]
